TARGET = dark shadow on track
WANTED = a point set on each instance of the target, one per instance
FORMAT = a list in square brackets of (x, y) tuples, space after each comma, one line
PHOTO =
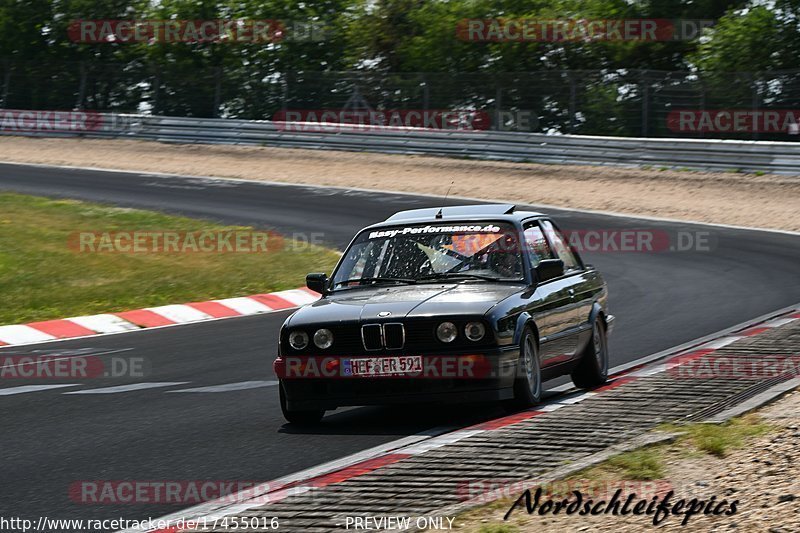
[(390, 420)]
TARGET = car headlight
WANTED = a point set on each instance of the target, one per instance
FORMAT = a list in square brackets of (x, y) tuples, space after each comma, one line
[(447, 332), (323, 338), (298, 339), (475, 331)]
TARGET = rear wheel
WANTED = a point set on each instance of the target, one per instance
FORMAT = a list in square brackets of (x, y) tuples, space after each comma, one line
[(592, 370), (305, 417), (528, 380)]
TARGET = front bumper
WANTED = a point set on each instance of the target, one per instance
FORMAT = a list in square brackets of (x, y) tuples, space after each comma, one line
[(490, 377)]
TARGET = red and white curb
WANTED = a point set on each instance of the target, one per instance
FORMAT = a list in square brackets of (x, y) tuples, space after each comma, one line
[(393, 452), (165, 315)]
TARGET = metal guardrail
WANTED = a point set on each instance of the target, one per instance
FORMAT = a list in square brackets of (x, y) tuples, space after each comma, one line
[(725, 155)]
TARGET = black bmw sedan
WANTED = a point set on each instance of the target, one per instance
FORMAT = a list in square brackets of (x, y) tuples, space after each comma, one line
[(452, 304)]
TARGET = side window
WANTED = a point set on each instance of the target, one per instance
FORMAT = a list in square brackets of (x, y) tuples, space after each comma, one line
[(560, 245), (535, 244)]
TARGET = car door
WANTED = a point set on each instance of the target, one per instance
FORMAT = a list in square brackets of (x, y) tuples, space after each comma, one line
[(588, 288), (554, 303), (569, 328)]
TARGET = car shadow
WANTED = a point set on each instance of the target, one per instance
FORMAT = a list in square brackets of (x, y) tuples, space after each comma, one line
[(400, 420)]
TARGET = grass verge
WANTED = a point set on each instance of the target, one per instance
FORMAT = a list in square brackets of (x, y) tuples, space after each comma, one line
[(650, 464), (43, 277), (720, 439)]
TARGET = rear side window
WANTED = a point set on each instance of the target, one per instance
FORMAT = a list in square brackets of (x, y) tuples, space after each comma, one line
[(560, 246), (535, 244)]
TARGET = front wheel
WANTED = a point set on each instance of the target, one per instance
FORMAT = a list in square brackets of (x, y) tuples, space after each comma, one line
[(592, 370), (304, 417), (528, 380)]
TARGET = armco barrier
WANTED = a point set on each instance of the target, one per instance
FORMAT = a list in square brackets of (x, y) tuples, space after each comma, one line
[(727, 155)]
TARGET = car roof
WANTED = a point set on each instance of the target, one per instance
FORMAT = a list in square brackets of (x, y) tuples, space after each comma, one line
[(501, 212)]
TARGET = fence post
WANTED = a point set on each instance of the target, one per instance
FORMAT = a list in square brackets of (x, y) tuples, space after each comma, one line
[(217, 91), (645, 88), (498, 108), (6, 81), (426, 94), (754, 81), (702, 103), (81, 86), (573, 96), (156, 90), (285, 91)]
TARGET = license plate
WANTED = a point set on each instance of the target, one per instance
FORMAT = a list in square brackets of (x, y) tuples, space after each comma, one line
[(384, 366)]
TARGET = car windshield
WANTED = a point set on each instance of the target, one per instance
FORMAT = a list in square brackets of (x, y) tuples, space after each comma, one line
[(420, 253)]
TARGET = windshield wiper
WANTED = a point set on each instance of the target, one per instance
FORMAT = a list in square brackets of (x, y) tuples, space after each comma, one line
[(444, 275), (376, 279)]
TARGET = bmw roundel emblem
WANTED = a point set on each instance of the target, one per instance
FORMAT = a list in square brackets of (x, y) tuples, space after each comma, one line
[(384, 313)]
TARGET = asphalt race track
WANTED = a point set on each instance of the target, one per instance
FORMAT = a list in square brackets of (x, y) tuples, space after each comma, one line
[(51, 440)]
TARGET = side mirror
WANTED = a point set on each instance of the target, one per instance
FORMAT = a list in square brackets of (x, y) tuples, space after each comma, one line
[(549, 269), (317, 282)]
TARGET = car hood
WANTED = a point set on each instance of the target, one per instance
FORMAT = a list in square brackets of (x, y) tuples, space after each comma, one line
[(365, 304)]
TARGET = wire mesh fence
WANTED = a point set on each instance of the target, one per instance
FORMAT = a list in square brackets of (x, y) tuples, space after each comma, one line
[(641, 103)]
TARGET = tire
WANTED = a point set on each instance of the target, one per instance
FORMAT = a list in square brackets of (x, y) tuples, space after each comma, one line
[(305, 417), (528, 379), (592, 370)]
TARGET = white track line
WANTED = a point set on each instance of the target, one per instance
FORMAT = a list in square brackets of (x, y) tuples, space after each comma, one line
[(438, 442), (777, 322), (550, 407), (719, 343), (242, 385), (33, 388), (129, 387), (650, 371), (576, 399)]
